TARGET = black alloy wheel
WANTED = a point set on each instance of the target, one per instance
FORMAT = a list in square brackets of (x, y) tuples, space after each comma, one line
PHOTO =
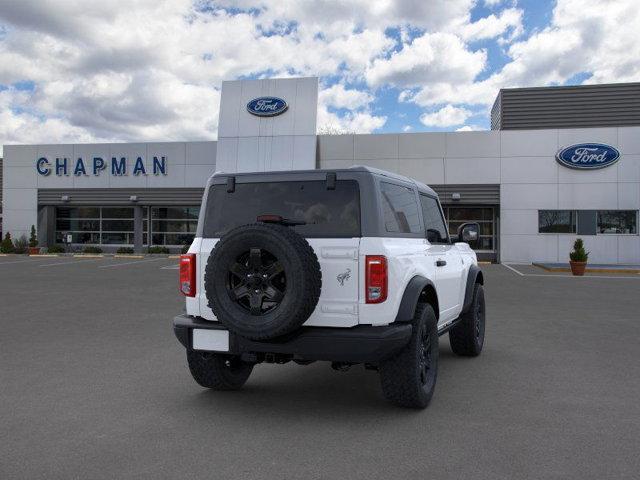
[(425, 357), (257, 281)]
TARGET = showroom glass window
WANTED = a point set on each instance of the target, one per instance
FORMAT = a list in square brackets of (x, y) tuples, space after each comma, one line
[(618, 222), (173, 226), (483, 216), (556, 221), (400, 209), (95, 225)]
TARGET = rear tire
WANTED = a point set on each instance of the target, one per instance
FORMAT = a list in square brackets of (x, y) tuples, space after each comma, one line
[(409, 378), (467, 337), (218, 372)]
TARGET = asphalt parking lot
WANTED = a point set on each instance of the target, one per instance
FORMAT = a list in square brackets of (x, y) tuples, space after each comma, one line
[(93, 385)]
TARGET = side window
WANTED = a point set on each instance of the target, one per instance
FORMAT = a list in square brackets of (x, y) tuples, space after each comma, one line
[(433, 221), (400, 209)]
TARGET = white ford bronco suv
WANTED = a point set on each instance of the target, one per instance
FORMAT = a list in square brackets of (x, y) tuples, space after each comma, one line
[(348, 266)]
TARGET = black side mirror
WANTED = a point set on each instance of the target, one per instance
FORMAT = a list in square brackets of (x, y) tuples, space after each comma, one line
[(469, 232)]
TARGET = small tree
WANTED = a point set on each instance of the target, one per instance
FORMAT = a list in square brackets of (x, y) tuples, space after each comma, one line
[(33, 238), (7, 244), (579, 254), (20, 245)]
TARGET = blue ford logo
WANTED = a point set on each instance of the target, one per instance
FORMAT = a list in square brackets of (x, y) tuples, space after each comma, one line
[(588, 156), (267, 106)]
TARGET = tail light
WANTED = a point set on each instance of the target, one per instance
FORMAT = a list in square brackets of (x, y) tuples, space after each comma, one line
[(376, 278), (188, 274)]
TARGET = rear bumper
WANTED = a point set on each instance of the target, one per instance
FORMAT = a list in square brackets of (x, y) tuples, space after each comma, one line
[(360, 344)]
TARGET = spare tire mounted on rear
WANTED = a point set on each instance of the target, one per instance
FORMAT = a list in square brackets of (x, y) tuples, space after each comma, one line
[(262, 280)]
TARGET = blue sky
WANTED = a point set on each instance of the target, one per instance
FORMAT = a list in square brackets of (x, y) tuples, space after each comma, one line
[(77, 71)]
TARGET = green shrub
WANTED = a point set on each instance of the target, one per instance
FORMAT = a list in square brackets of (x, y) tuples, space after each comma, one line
[(55, 249), (92, 249), (21, 244), (125, 250), (579, 254), (185, 248), (7, 244), (33, 238), (158, 249)]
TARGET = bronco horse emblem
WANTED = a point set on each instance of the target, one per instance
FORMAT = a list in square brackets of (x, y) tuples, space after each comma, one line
[(344, 276)]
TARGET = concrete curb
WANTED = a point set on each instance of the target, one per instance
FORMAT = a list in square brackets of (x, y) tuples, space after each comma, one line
[(588, 269)]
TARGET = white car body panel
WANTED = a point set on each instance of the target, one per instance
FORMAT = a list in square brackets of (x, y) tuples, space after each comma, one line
[(342, 262)]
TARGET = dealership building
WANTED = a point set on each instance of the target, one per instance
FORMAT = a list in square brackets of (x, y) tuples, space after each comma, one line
[(559, 162)]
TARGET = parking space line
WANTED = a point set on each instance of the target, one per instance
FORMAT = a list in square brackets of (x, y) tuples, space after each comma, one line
[(21, 261), (513, 269), (565, 276), (130, 263), (170, 267), (70, 262)]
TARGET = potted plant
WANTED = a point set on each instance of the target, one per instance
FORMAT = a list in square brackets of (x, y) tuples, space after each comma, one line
[(7, 244), (33, 242), (578, 258), (21, 245)]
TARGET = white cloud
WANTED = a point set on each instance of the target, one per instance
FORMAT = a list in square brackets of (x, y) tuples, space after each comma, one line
[(351, 122), (492, 3), (407, 128), (447, 116), (151, 69), (358, 118), (582, 37), (338, 96), (432, 57), (509, 20), (469, 128)]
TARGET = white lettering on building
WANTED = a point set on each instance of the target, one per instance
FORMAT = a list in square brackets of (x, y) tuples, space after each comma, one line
[(588, 155)]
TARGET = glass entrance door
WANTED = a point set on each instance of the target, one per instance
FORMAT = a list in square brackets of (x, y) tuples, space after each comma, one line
[(486, 246)]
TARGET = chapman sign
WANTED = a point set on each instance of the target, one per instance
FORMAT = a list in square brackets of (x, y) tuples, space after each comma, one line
[(588, 156), (267, 106), (96, 165)]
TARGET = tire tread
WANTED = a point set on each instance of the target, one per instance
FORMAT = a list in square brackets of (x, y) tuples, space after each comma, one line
[(398, 374), (212, 372), (462, 336)]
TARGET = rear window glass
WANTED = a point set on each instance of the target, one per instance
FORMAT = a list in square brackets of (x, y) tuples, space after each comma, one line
[(326, 213)]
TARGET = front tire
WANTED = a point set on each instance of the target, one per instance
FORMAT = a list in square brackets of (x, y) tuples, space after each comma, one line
[(218, 372), (467, 337), (409, 378)]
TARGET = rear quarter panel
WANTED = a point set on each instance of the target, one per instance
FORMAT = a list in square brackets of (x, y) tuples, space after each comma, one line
[(406, 258)]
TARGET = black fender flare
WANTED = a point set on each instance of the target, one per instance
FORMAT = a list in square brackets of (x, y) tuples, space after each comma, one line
[(474, 276), (411, 297)]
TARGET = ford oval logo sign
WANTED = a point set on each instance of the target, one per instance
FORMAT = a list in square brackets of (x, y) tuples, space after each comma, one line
[(267, 106), (588, 156)]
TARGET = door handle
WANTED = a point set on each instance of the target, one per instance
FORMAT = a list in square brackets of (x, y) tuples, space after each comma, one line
[(441, 263)]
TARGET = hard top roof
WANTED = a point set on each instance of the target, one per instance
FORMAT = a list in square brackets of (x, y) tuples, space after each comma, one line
[(354, 168)]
